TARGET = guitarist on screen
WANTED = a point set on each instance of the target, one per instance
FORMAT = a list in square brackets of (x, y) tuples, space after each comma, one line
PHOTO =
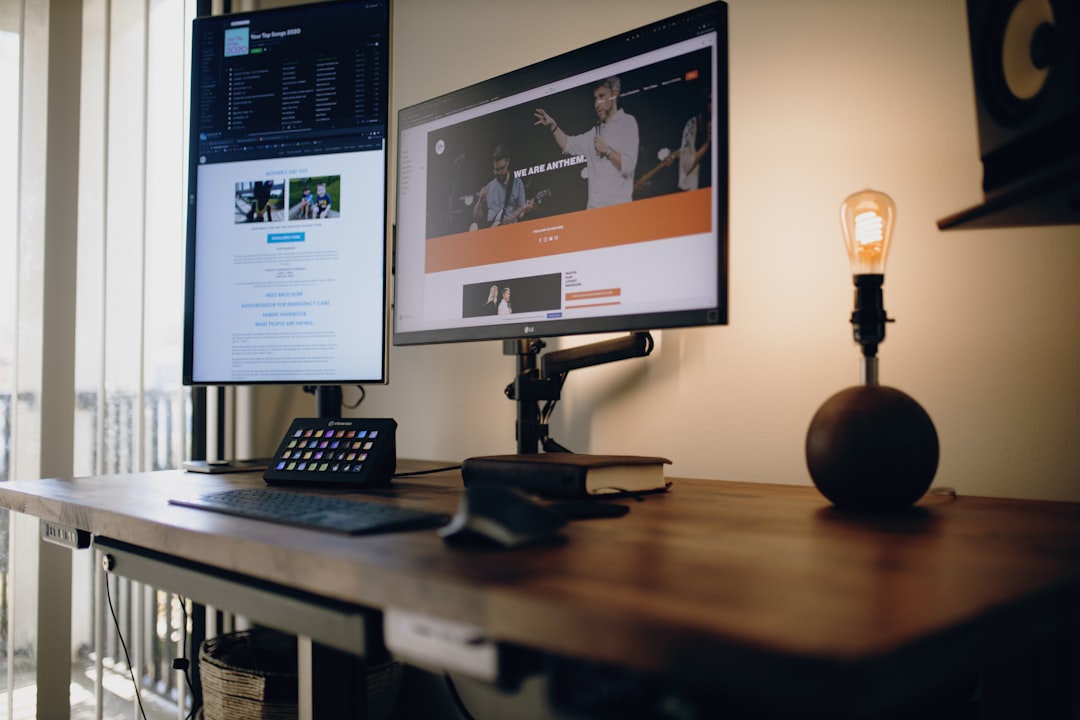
[(693, 151), (502, 201)]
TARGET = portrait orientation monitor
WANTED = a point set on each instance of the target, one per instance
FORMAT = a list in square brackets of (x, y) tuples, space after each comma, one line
[(286, 245), (586, 193)]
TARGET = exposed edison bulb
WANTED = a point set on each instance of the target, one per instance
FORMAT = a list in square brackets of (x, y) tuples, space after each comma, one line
[(867, 218), (871, 447)]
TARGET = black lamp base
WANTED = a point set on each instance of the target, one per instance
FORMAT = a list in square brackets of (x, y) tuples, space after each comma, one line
[(872, 448)]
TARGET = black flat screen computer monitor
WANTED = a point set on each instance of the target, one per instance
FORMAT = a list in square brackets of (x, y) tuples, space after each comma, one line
[(286, 245), (586, 193)]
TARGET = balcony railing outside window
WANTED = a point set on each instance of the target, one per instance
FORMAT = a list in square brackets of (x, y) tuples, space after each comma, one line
[(163, 623), (130, 412)]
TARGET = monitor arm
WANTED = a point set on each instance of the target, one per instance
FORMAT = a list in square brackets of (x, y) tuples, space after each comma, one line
[(535, 384)]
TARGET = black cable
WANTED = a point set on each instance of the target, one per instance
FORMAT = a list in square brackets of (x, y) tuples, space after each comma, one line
[(127, 655), (363, 394), (549, 406), (183, 663), (547, 442), (550, 446), (458, 703), (414, 473)]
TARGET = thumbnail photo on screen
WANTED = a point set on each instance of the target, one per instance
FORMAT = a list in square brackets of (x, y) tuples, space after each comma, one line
[(503, 296), (314, 198), (259, 201)]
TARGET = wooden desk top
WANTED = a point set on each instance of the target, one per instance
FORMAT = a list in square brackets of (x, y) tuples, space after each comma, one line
[(744, 586)]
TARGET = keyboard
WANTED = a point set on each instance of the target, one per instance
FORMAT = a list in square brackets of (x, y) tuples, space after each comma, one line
[(317, 512)]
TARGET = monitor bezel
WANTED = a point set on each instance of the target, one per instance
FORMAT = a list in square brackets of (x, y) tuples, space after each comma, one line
[(597, 54)]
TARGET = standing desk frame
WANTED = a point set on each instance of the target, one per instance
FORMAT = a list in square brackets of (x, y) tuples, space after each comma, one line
[(744, 594)]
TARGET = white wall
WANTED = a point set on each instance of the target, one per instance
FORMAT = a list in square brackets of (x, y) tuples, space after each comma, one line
[(827, 97)]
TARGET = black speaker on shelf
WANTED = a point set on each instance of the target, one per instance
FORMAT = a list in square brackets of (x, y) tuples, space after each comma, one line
[(1026, 67)]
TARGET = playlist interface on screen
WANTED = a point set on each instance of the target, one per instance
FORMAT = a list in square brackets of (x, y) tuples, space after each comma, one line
[(569, 199), (290, 213)]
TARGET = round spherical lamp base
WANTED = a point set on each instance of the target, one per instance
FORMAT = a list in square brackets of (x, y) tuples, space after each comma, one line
[(872, 448)]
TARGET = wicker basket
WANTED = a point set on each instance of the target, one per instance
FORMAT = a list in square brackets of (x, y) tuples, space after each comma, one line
[(384, 683), (249, 675), (252, 675)]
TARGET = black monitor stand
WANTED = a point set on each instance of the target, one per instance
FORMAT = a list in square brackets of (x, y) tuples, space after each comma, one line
[(536, 384), (328, 400), (199, 450)]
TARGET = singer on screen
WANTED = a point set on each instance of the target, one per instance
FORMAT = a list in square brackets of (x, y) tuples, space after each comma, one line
[(610, 147)]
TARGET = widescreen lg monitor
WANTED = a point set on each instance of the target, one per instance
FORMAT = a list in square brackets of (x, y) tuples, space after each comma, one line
[(585, 193), (287, 242)]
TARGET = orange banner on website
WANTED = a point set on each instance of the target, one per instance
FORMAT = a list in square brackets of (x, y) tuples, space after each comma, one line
[(593, 294), (675, 215)]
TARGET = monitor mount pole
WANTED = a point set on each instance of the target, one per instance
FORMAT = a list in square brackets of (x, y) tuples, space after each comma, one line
[(328, 400), (542, 383), (528, 390)]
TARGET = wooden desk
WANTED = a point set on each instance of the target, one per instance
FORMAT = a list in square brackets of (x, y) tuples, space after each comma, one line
[(761, 595)]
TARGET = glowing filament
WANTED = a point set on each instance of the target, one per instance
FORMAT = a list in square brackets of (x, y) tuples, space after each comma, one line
[(867, 219), (869, 228)]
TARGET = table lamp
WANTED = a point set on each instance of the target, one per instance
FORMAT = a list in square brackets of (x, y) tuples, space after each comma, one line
[(870, 447)]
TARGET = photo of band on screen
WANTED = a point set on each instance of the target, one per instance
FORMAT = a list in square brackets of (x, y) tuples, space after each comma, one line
[(539, 293), (640, 134)]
